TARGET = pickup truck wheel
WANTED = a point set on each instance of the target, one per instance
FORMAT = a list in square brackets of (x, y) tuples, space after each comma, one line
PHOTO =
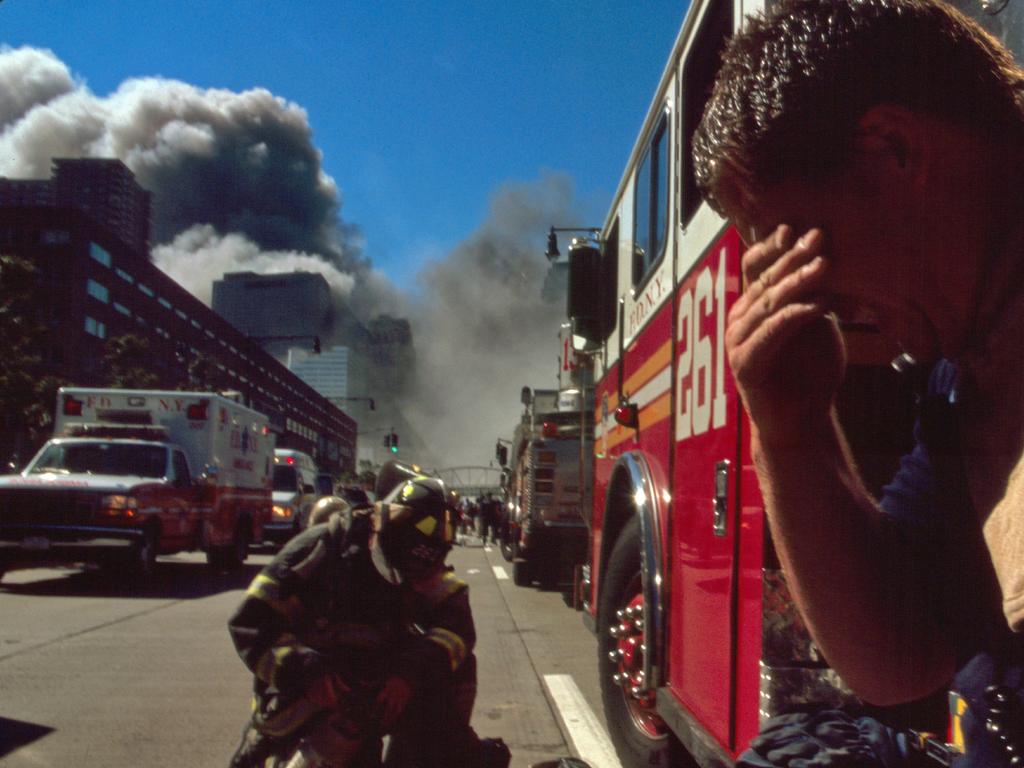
[(236, 553), (143, 556), (522, 572), (640, 736)]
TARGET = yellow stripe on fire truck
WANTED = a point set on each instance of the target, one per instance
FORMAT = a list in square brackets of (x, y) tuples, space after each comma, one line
[(653, 400)]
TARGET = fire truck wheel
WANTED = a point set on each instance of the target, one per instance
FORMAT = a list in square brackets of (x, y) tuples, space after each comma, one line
[(506, 546), (640, 736), (522, 572)]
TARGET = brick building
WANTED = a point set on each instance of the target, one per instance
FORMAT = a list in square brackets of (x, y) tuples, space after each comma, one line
[(87, 229)]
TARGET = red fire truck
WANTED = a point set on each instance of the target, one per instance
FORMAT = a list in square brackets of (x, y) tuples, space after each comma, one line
[(698, 639)]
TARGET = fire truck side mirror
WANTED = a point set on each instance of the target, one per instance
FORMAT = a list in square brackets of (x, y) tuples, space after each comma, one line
[(588, 295)]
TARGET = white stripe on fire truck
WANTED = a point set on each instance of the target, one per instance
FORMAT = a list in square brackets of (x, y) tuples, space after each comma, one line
[(658, 385)]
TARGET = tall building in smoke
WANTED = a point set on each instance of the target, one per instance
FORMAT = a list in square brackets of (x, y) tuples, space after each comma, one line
[(280, 310), (327, 372)]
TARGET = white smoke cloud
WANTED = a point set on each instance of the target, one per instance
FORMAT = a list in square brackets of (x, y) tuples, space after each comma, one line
[(29, 77), (200, 255)]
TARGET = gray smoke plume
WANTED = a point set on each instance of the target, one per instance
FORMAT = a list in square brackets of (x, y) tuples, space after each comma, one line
[(241, 163), (483, 329), (238, 184)]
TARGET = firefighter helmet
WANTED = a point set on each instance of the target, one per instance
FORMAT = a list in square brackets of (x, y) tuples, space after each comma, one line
[(325, 507), (392, 474), (416, 530)]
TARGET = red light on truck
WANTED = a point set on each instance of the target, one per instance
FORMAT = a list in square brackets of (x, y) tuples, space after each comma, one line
[(72, 407), (628, 415), (197, 411), (549, 429), (291, 460)]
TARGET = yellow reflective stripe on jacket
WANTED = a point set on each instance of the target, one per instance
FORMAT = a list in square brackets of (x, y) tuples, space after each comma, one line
[(441, 589), (265, 589), (274, 657), (451, 643)]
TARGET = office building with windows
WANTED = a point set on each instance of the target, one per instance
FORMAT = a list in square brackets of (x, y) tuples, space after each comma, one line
[(86, 232)]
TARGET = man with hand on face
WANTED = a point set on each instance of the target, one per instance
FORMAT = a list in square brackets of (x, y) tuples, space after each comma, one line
[(357, 630), (870, 154)]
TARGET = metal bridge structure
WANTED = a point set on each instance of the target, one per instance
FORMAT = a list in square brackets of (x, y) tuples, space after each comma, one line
[(471, 481)]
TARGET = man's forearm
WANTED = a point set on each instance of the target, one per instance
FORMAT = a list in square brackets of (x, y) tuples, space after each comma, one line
[(847, 571)]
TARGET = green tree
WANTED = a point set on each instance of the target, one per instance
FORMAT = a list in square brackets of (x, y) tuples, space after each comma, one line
[(27, 396), (128, 361)]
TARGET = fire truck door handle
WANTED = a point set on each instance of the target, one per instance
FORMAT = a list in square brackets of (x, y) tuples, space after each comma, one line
[(721, 503)]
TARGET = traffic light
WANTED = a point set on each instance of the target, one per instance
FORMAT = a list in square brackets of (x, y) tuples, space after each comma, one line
[(316, 345), (391, 442)]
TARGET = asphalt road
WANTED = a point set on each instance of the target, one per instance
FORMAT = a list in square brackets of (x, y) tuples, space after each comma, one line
[(96, 671)]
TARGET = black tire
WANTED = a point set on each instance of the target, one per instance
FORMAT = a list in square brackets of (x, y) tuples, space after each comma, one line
[(549, 568), (215, 557), (506, 544), (522, 571), (238, 551), (143, 555), (640, 737)]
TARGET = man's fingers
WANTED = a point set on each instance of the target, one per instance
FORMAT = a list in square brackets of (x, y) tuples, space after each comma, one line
[(768, 261), (765, 252), (759, 351), (756, 305)]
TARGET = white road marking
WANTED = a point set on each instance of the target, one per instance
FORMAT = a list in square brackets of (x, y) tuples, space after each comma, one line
[(588, 735), (473, 570), (499, 572)]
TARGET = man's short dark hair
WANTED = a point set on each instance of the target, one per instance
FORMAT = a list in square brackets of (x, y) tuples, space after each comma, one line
[(794, 83)]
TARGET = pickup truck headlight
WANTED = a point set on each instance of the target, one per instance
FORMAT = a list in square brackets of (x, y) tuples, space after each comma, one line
[(119, 505), (283, 510)]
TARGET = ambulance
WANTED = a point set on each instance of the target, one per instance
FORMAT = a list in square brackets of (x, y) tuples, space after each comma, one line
[(132, 474)]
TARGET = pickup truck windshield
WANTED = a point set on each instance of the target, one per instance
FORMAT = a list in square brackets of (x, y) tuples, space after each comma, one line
[(103, 458)]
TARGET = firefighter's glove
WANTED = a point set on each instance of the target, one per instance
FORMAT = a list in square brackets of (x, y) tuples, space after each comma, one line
[(391, 701), (328, 690)]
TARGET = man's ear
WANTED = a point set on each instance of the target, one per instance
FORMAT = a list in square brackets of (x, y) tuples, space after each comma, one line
[(894, 142)]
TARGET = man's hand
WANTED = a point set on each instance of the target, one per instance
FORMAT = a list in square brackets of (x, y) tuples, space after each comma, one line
[(328, 690), (391, 701), (786, 354)]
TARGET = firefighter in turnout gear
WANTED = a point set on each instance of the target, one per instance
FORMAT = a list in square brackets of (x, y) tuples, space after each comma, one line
[(357, 630)]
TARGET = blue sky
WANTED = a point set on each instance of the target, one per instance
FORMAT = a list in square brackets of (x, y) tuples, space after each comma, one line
[(421, 109)]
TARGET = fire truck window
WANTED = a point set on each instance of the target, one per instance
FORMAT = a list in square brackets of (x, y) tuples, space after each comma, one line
[(698, 77), (651, 205)]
